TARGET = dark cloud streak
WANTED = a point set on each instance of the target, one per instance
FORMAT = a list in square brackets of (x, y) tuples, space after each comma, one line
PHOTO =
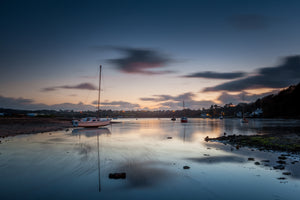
[(140, 61), (81, 86), (280, 76), (216, 75)]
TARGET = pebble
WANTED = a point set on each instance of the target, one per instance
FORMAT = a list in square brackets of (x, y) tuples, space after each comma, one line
[(117, 175), (282, 157), (169, 137), (286, 173), (281, 162), (251, 159), (281, 167), (186, 167), (281, 178), (257, 163)]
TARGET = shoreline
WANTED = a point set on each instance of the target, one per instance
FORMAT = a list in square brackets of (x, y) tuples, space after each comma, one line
[(269, 142), (13, 126)]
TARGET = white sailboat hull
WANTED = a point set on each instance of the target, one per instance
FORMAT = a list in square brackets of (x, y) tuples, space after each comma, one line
[(88, 124)]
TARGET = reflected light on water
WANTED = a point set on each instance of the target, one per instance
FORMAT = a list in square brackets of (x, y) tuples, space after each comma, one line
[(152, 153)]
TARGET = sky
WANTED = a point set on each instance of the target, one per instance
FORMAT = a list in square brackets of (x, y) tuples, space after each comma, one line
[(154, 54)]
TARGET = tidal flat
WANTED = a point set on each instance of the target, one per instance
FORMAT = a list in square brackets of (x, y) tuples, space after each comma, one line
[(162, 159)]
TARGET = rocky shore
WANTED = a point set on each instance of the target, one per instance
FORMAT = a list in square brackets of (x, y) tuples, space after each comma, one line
[(11, 126), (275, 142)]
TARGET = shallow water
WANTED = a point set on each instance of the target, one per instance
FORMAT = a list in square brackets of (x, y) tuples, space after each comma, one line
[(64, 164)]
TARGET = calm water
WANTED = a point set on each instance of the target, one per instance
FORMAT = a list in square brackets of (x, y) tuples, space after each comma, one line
[(64, 164)]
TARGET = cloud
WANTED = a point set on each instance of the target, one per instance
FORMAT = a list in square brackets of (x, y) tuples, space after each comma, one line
[(168, 102), (29, 104), (159, 98), (140, 61), (216, 75), (191, 104), (243, 97), (118, 105), (280, 76), (81, 86), (249, 22)]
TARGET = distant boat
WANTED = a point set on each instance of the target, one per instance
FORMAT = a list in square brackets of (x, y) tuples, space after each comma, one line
[(244, 120), (183, 119), (93, 121)]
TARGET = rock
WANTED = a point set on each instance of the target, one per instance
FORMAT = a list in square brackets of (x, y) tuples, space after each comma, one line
[(285, 155), (281, 167), (206, 138), (206, 154), (169, 137), (186, 167), (281, 178), (282, 157), (121, 175), (281, 162), (67, 130), (251, 159), (257, 163), (286, 173), (265, 160), (237, 147)]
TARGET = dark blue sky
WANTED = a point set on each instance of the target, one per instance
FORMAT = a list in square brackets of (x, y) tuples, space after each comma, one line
[(144, 46)]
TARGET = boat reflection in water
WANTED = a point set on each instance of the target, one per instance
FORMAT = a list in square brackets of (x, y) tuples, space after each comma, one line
[(91, 132)]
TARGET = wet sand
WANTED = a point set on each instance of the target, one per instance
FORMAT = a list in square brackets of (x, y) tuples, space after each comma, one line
[(11, 126)]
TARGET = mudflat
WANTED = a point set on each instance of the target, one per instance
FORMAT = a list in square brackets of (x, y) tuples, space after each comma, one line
[(10, 126)]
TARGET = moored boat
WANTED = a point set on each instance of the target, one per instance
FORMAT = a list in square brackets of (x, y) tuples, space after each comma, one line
[(93, 121)]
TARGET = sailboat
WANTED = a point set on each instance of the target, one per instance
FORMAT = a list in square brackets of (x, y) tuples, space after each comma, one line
[(183, 119), (93, 121), (243, 120)]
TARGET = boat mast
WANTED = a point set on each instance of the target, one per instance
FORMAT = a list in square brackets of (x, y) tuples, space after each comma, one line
[(99, 92)]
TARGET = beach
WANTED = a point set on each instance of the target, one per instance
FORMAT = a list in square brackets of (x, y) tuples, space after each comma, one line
[(11, 126)]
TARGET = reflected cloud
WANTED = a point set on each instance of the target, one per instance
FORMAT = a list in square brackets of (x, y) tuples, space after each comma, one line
[(145, 174), (218, 159)]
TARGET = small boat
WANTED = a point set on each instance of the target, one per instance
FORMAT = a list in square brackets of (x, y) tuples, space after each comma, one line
[(244, 120), (183, 119), (90, 122), (93, 121)]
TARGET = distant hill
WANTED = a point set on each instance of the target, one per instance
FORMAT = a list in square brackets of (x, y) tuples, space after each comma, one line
[(285, 104)]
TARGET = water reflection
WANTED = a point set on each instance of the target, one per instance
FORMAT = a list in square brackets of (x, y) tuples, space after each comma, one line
[(65, 165), (91, 132)]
